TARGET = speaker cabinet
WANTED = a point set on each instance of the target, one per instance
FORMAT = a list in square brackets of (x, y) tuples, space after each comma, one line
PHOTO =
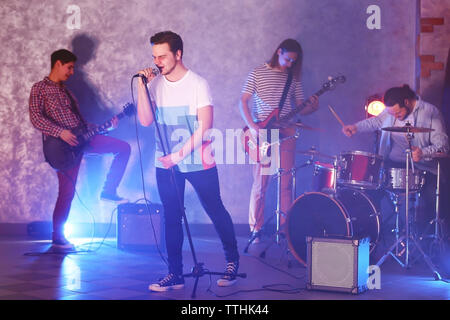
[(337, 264), (137, 228)]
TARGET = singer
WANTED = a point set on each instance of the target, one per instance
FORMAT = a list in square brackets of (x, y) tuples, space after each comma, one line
[(183, 100)]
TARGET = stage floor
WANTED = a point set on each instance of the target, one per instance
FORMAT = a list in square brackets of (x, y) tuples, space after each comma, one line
[(103, 272)]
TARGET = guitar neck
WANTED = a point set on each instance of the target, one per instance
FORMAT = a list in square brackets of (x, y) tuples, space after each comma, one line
[(99, 129), (301, 106)]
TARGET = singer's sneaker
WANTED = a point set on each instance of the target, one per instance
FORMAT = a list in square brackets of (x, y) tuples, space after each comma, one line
[(169, 282), (230, 275)]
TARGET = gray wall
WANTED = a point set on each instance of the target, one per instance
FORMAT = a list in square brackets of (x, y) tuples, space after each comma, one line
[(437, 44), (224, 40)]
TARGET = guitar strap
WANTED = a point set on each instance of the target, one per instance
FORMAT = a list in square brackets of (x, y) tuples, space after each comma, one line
[(282, 100), (285, 92), (74, 106)]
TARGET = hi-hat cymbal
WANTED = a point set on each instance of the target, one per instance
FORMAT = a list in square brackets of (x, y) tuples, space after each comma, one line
[(306, 127), (438, 155), (314, 153), (407, 129)]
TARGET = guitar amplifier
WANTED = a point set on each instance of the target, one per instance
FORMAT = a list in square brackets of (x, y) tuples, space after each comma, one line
[(338, 264), (140, 226)]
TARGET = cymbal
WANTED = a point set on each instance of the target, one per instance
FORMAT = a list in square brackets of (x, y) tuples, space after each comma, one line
[(407, 129), (306, 127), (314, 153), (438, 155)]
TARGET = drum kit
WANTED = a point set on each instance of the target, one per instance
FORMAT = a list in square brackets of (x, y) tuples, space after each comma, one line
[(340, 205)]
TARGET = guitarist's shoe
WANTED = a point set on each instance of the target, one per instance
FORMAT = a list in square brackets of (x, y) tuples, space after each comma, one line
[(61, 244), (256, 236), (112, 197)]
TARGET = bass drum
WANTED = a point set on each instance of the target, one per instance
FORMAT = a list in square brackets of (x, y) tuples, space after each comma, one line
[(350, 213)]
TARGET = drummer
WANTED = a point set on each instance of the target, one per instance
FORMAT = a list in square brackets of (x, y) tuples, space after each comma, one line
[(403, 107)]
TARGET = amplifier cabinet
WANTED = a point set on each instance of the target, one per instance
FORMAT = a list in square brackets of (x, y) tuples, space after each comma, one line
[(337, 264), (135, 225)]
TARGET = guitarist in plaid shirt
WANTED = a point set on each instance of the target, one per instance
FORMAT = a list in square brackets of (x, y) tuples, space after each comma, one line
[(54, 111)]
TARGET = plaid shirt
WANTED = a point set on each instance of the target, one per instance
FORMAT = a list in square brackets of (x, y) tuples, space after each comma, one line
[(51, 109)]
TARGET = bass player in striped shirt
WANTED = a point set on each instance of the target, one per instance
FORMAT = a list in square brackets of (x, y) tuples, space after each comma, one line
[(266, 85)]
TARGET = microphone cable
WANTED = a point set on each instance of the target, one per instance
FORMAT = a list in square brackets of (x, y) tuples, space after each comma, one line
[(146, 201)]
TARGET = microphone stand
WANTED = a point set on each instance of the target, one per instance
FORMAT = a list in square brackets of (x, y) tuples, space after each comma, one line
[(198, 269)]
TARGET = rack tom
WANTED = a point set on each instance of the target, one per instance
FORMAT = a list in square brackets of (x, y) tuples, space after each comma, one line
[(359, 169), (323, 177)]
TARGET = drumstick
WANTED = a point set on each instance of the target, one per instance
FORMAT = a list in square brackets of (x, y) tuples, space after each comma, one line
[(337, 117)]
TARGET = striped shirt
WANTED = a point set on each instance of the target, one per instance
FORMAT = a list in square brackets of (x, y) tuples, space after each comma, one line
[(52, 108), (266, 85)]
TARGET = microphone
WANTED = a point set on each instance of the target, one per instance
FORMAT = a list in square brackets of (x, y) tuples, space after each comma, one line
[(155, 72)]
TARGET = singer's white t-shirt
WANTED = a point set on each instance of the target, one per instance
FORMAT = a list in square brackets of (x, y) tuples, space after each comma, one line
[(177, 104)]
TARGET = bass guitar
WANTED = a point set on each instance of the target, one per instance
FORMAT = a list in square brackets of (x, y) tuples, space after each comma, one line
[(259, 149), (60, 155)]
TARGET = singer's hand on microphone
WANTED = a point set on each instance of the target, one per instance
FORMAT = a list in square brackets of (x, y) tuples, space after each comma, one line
[(148, 73)]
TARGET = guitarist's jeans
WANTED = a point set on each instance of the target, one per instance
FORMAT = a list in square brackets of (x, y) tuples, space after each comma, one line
[(261, 182), (206, 185), (67, 178)]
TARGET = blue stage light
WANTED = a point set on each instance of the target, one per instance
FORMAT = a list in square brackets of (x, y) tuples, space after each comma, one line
[(68, 230)]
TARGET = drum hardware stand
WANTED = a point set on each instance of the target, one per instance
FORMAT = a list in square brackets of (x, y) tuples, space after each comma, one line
[(279, 234), (257, 234), (335, 177), (407, 237), (293, 172), (395, 200), (278, 176), (334, 192), (438, 240)]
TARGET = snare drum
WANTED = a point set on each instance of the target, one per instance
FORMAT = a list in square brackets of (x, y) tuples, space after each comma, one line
[(360, 169), (396, 179), (323, 177)]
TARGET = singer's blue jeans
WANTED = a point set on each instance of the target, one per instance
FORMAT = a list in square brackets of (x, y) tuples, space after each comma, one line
[(206, 185)]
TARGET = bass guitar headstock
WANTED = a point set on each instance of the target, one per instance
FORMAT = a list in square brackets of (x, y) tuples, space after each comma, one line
[(333, 82)]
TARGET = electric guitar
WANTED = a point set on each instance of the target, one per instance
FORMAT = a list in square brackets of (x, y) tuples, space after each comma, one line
[(259, 149), (60, 155)]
